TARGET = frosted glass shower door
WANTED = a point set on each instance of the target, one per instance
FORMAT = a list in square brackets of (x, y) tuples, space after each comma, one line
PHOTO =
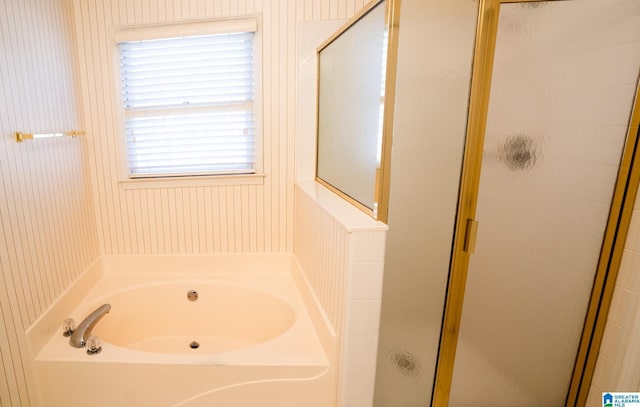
[(564, 80)]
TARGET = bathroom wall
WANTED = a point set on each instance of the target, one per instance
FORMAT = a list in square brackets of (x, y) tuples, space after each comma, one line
[(341, 251), (47, 225), (617, 368), (207, 218)]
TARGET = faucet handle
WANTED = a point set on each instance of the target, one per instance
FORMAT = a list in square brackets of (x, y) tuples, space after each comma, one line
[(68, 326), (94, 345)]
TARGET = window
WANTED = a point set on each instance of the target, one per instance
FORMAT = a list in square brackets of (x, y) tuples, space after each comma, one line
[(189, 104)]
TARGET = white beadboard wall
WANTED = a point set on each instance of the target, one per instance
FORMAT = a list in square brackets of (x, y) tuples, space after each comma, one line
[(321, 247), (341, 251), (204, 218), (47, 224)]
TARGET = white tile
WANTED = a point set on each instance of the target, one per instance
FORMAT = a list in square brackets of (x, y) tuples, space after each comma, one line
[(606, 374), (628, 306), (372, 351), (357, 317), (351, 218), (369, 382), (632, 234), (356, 351), (632, 277), (636, 205), (305, 147), (379, 240), (354, 383), (625, 265), (615, 304), (377, 274), (614, 342), (307, 92), (360, 280), (373, 323), (362, 246), (595, 397), (306, 117), (353, 403), (311, 34), (307, 68)]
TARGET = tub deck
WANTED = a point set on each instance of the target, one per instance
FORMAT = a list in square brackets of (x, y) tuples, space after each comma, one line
[(284, 368)]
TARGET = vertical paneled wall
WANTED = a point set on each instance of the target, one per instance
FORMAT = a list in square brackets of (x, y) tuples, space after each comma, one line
[(47, 220), (321, 246), (341, 251), (47, 225), (204, 218)]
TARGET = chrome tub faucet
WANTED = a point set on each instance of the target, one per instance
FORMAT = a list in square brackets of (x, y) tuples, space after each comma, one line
[(83, 331)]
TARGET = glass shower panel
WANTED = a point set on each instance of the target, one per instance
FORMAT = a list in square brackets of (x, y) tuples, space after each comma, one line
[(564, 79), (431, 104), (349, 105)]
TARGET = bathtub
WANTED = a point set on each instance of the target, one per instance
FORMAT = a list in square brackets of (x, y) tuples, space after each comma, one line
[(254, 336)]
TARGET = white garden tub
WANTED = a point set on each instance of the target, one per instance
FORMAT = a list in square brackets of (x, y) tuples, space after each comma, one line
[(159, 317), (256, 326)]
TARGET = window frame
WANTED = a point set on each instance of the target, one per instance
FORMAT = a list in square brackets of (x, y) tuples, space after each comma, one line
[(202, 27)]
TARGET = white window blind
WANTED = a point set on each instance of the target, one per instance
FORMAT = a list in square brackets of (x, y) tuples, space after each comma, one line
[(189, 105)]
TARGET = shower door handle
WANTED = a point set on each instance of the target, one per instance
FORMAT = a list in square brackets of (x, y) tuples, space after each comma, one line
[(470, 236)]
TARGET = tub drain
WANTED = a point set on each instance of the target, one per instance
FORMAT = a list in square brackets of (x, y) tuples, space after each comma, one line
[(194, 345)]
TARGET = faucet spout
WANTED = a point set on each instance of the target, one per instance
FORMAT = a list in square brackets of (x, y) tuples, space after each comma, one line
[(83, 331)]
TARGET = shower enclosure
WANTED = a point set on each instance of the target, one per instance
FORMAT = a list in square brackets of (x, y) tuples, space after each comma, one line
[(545, 147), (545, 180)]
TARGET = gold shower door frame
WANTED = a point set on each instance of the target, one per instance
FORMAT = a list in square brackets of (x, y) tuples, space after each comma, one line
[(464, 239)]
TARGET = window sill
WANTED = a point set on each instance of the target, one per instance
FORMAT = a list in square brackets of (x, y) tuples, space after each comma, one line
[(199, 181)]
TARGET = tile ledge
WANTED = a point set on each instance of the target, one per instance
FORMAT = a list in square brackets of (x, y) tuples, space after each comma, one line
[(346, 214)]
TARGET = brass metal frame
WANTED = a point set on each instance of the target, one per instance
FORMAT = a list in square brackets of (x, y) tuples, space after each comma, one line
[(613, 244), (384, 181), (381, 188), (479, 105)]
